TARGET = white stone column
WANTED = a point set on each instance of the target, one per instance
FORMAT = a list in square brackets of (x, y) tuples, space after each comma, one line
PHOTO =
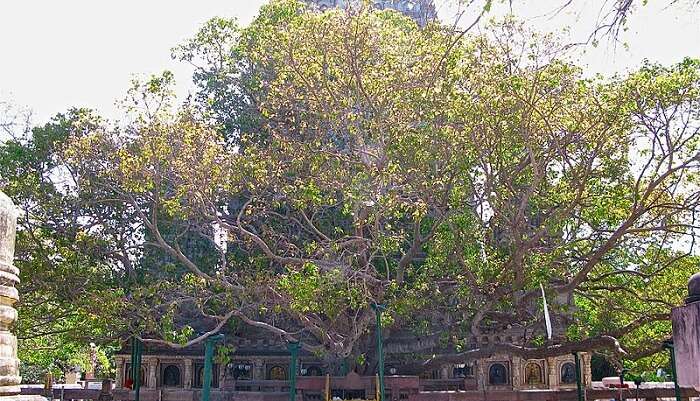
[(222, 375), (516, 372), (587, 375), (258, 370), (9, 364), (445, 372), (152, 374), (686, 336), (119, 378), (187, 380), (551, 372), (481, 374), (9, 277)]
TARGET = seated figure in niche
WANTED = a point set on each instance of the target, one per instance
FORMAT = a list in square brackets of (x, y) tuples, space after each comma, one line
[(171, 376), (568, 373), (498, 375), (533, 374), (277, 373)]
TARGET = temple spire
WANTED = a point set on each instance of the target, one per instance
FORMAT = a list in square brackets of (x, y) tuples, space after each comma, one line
[(422, 11)]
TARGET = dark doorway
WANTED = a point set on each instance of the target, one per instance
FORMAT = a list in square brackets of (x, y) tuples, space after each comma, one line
[(498, 375)]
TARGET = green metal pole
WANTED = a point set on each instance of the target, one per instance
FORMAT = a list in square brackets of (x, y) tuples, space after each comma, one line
[(579, 385), (344, 367), (378, 308), (669, 346), (208, 364), (293, 348), (136, 374), (133, 360)]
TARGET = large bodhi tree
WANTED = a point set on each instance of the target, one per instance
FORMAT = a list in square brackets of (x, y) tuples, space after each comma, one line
[(340, 159)]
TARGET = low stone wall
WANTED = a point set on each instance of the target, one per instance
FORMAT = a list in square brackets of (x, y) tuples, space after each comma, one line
[(195, 395), (498, 395), (647, 394)]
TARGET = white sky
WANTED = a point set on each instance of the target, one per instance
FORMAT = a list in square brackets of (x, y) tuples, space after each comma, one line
[(58, 54)]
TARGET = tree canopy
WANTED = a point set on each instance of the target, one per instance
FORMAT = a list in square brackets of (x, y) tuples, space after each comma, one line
[(330, 161)]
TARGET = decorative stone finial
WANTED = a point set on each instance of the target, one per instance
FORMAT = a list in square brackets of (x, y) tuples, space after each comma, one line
[(9, 277), (693, 289)]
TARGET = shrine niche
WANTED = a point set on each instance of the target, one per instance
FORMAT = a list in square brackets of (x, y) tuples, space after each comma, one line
[(568, 373), (128, 380), (171, 376), (498, 374), (241, 370), (314, 371), (533, 374), (199, 375), (462, 371), (277, 373)]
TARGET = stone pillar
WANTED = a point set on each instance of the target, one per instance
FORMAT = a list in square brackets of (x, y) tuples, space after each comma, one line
[(90, 374), (552, 379), (9, 277), (481, 374), (222, 375), (445, 372), (228, 382), (152, 374), (259, 370), (188, 374), (119, 378), (516, 369), (686, 336), (586, 368), (9, 364), (106, 391)]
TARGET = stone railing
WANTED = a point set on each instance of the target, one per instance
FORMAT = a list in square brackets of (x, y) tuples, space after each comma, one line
[(447, 384), (555, 395), (180, 394)]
